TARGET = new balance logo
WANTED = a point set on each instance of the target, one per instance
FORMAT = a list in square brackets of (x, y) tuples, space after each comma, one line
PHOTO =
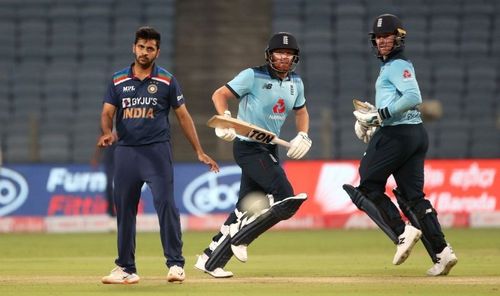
[(401, 241)]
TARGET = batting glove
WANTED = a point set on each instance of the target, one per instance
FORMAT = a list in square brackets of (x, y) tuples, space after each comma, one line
[(363, 132), (226, 134), (373, 117), (299, 146)]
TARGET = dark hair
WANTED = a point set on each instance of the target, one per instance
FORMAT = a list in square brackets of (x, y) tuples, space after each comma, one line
[(148, 33)]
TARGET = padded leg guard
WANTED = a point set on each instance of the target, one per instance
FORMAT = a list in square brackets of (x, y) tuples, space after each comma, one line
[(412, 217), (221, 255), (279, 211), (427, 218), (367, 206)]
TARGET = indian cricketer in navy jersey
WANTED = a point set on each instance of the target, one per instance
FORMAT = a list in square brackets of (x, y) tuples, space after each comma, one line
[(266, 95), (141, 97), (398, 147)]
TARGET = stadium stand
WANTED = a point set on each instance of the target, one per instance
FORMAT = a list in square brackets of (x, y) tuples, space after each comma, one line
[(57, 56)]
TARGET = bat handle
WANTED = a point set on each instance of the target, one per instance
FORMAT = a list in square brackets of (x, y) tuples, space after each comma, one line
[(281, 142)]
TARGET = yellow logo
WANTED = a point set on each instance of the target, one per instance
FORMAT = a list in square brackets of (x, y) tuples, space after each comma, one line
[(152, 88)]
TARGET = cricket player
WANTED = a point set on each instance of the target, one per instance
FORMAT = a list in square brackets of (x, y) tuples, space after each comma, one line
[(266, 95), (398, 147), (141, 96)]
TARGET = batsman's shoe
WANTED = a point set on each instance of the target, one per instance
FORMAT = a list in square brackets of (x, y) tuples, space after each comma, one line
[(240, 252), (216, 273), (176, 274), (119, 276), (407, 240), (445, 262)]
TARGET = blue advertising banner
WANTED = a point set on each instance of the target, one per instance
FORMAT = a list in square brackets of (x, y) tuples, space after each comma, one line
[(55, 190)]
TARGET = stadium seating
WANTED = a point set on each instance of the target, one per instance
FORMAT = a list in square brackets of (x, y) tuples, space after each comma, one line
[(454, 46), (58, 55), (64, 53)]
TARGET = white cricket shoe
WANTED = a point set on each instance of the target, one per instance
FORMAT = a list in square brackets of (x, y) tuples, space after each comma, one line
[(407, 240), (445, 262), (216, 273), (119, 276), (176, 274), (240, 252)]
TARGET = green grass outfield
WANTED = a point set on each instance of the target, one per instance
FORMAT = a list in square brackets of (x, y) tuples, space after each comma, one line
[(328, 262)]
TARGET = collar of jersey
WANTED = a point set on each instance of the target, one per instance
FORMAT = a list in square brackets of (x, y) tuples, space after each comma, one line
[(273, 74), (154, 72)]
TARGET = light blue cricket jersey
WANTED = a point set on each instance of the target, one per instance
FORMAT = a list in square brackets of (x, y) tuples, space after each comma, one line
[(397, 89), (264, 99)]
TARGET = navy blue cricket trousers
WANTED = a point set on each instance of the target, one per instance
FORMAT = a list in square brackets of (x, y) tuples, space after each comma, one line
[(134, 166)]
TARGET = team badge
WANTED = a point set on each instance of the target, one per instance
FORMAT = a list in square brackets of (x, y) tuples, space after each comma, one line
[(152, 88), (406, 74), (279, 107)]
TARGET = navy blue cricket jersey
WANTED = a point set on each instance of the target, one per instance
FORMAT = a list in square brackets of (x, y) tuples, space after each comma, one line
[(143, 106)]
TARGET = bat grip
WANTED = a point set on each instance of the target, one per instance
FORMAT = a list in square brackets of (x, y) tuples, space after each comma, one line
[(281, 142)]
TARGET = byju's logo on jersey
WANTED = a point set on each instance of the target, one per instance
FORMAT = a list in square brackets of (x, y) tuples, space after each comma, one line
[(279, 107), (126, 103), (13, 191)]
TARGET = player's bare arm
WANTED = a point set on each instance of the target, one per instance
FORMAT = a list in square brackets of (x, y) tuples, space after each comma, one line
[(302, 120), (189, 131), (220, 98), (108, 113)]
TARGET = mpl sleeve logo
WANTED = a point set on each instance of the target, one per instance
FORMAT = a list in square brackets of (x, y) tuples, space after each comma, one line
[(13, 191)]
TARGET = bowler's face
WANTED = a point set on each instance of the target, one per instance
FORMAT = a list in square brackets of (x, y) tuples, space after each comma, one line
[(146, 51)]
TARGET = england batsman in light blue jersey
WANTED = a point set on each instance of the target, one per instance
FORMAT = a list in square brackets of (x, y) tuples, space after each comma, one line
[(397, 148), (266, 95), (264, 99)]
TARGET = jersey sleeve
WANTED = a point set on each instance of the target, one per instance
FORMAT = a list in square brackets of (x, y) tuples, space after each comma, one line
[(402, 75), (175, 98), (301, 100), (242, 84), (111, 96)]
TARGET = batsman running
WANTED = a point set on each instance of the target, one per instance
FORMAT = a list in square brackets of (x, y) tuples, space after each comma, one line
[(397, 147), (266, 94)]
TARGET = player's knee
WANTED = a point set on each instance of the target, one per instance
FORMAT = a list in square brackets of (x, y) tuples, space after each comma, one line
[(286, 208)]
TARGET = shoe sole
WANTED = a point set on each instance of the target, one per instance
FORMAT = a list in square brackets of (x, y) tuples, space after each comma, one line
[(448, 267), (175, 279), (119, 283), (406, 254), (213, 275)]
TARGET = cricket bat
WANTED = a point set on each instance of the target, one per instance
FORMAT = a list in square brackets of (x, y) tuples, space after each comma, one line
[(360, 106), (246, 129)]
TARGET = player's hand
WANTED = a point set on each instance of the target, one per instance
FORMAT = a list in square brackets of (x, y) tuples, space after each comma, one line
[(360, 130), (106, 140), (368, 118), (214, 167), (226, 134), (364, 133), (299, 146)]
